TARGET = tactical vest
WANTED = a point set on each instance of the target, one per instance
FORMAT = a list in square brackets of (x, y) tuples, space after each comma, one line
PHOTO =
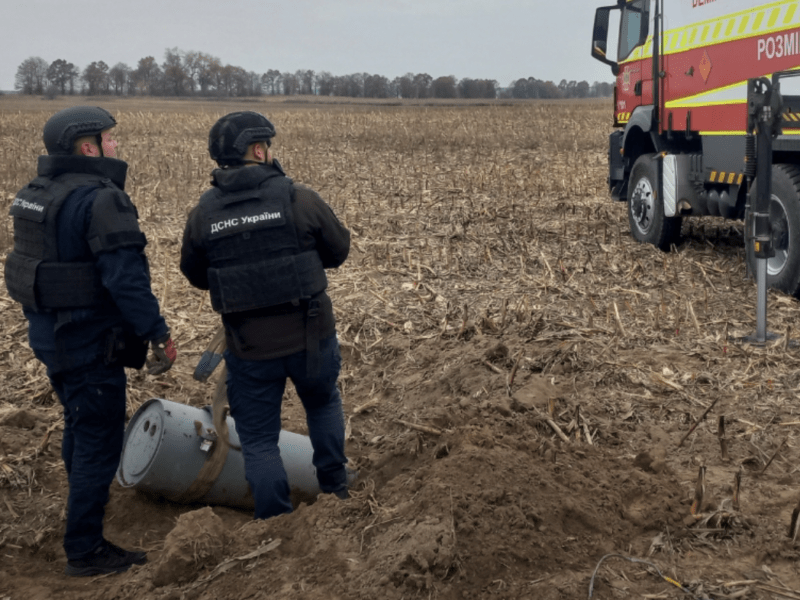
[(253, 250), (34, 276)]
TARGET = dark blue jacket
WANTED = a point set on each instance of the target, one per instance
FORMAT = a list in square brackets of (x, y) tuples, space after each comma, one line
[(71, 338)]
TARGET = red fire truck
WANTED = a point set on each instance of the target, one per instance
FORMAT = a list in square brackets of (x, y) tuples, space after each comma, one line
[(681, 103)]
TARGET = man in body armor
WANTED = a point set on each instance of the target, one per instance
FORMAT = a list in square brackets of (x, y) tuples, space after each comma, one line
[(79, 270), (260, 244)]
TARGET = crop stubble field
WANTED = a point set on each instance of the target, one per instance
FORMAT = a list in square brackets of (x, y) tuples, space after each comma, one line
[(518, 375)]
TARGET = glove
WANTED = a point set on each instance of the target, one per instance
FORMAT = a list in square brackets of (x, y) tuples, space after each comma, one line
[(164, 355)]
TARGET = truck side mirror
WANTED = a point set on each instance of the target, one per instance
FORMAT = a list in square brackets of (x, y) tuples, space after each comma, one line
[(600, 37)]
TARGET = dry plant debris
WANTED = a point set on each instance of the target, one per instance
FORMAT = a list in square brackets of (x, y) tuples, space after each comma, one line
[(518, 373)]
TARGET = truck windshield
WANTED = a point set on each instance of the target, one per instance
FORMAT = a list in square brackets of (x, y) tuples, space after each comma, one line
[(633, 27)]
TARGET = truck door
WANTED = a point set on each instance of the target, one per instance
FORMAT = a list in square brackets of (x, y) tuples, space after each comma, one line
[(635, 57)]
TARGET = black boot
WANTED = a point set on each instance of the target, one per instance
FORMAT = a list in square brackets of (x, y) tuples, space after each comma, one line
[(106, 558)]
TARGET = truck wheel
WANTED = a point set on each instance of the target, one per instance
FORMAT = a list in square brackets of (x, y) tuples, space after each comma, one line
[(645, 208), (783, 269)]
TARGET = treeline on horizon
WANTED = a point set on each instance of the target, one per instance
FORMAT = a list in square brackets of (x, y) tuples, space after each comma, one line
[(200, 74)]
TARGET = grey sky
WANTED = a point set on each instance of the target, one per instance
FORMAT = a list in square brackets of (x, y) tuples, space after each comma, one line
[(482, 39)]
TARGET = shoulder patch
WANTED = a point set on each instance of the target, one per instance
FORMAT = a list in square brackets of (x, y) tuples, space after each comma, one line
[(32, 201), (32, 210)]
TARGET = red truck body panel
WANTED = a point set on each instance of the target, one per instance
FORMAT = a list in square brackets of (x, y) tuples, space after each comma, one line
[(710, 49)]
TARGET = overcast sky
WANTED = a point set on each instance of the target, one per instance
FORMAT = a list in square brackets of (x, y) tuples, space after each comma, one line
[(481, 39)]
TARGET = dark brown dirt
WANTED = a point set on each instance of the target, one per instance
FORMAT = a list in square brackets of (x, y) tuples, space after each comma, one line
[(502, 299)]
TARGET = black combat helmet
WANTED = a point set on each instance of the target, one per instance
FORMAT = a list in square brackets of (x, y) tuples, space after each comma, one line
[(64, 127), (232, 134)]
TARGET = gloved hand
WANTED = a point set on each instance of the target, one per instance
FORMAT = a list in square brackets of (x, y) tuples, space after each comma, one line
[(164, 355)]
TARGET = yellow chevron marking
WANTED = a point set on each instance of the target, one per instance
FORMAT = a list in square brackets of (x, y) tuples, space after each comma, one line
[(743, 24), (741, 178), (713, 176), (757, 24), (766, 20), (731, 178)]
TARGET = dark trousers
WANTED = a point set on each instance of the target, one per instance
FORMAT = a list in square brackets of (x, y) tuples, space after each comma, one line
[(93, 398), (255, 393)]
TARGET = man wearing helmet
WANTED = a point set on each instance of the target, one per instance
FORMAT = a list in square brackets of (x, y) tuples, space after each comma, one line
[(79, 270), (260, 244)]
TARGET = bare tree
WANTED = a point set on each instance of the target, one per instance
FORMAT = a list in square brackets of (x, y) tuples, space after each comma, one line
[(444, 87), (290, 84), (231, 80), (477, 88), (147, 76), (405, 86), (207, 66), (238, 81), (120, 75), (192, 65), (602, 89), (254, 84), (74, 76), (217, 74), (96, 78), (176, 75), (31, 76), (270, 81), (307, 82), (376, 86), (224, 77), (325, 84), (422, 84), (534, 88), (344, 85), (192, 72), (351, 86), (60, 73)]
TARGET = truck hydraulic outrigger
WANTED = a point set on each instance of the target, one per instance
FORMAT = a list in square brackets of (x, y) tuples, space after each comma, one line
[(764, 117)]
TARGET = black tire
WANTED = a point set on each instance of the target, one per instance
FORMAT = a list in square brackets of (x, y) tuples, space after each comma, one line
[(646, 210), (783, 269)]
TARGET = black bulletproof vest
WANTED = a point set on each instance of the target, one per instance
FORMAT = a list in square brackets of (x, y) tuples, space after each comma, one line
[(34, 276), (252, 246)]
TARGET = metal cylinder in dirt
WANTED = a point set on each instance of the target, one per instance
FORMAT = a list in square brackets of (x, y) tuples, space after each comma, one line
[(167, 444)]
